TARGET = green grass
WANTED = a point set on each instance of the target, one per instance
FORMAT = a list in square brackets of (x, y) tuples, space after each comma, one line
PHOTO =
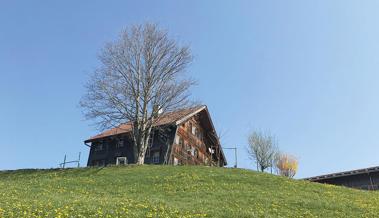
[(167, 191)]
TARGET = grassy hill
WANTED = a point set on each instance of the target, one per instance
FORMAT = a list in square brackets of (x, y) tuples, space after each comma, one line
[(167, 191)]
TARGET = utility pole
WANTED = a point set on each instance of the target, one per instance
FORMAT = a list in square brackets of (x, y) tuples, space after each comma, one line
[(79, 160), (235, 155), (63, 165), (64, 162)]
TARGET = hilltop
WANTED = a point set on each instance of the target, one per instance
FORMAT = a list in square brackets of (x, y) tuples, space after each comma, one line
[(168, 191)]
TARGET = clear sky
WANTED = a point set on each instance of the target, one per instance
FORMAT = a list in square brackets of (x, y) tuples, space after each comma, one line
[(305, 70)]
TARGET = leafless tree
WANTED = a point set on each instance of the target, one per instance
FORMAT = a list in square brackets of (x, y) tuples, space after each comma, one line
[(142, 75), (262, 149)]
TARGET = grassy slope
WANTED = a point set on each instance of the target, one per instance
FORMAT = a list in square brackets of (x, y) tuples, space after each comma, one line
[(166, 191)]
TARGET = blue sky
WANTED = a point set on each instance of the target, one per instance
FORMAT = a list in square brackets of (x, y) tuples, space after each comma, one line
[(305, 70)]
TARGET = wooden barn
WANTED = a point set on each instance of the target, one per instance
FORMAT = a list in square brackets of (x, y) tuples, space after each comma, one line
[(367, 178), (183, 137)]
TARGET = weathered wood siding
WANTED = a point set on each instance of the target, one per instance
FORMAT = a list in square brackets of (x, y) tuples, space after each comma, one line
[(191, 145), (162, 138), (105, 151), (368, 181)]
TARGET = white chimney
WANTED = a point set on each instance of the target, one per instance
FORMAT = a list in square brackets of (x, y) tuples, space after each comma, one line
[(160, 111)]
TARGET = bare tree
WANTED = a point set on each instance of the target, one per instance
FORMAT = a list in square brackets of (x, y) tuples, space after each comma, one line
[(262, 149), (142, 75)]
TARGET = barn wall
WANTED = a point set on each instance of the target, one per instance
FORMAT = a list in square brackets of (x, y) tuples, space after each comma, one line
[(162, 137), (107, 155), (360, 181)]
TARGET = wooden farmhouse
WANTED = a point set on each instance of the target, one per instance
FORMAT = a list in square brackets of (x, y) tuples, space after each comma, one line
[(183, 137)]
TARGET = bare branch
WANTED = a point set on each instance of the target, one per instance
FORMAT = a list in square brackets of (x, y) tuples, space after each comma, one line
[(262, 149), (141, 74)]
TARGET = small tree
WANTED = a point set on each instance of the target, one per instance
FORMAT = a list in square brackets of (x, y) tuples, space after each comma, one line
[(262, 149), (141, 76), (287, 165)]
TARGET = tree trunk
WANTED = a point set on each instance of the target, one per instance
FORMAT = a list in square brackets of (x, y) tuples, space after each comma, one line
[(136, 151), (141, 155), (137, 142), (144, 143), (140, 160)]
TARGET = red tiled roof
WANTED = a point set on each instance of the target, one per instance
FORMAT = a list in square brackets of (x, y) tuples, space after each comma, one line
[(168, 118)]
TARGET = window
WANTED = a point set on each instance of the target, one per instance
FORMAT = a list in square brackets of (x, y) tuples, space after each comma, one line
[(156, 157), (177, 139), (199, 134), (99, 147), (196, 153), (121, 161), (181, 142), (189, 127), (191, 150), (120, 143), (194, 130)]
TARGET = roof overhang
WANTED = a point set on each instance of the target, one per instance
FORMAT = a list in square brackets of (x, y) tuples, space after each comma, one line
[(343, 174), (180, 121)]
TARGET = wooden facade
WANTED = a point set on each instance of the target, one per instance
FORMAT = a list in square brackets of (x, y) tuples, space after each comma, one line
[(184, 137), (367, 179)]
